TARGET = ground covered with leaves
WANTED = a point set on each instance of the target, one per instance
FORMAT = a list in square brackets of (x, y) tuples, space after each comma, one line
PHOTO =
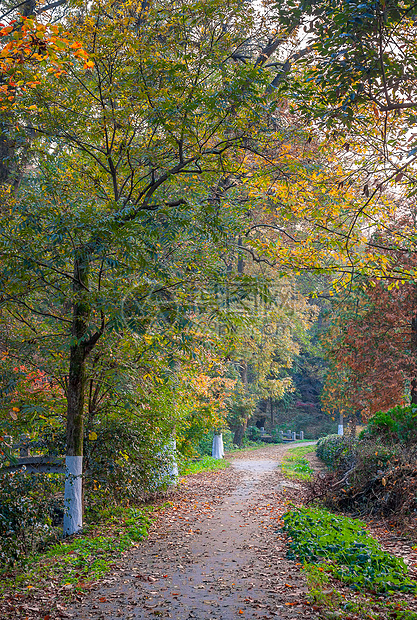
[(215, 550)]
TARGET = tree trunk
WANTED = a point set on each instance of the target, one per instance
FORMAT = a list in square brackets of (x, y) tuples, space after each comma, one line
[(73, 518), (340, 427), (217, 451), (240, 430), (413, 393), (240, 263)]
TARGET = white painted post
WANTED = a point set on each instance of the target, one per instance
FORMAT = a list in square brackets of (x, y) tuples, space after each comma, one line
[(301, 435), (294, 436), (217, 451), (73, 502)]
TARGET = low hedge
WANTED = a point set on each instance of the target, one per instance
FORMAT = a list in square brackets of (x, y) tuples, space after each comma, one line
[(330, 450)]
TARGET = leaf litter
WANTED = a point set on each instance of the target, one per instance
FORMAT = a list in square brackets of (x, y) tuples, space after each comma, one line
[(215, 552)]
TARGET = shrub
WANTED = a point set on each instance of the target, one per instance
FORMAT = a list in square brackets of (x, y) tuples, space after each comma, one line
[(330, 449), (395, 425), (28, 504), (372, 478), (123, 463), (253, 433)]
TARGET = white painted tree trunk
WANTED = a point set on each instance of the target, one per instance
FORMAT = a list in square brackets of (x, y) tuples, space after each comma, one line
[(340, 426), (73, 497), (217, 451), (172, 466)]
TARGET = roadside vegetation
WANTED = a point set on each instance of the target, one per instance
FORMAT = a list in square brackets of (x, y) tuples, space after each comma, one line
[(74, 564), (295, 465), (371, 476), (205, 463), (208, 226)]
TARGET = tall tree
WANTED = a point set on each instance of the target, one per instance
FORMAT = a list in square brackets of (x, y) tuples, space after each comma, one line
[(128, 147)]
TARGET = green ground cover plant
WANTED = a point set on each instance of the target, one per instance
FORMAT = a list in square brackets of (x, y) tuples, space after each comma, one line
[(294, 465), (86, 557), (342, 605), (89, 558), (346, 550)]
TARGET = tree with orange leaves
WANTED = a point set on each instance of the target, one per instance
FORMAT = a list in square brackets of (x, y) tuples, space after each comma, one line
[(370, 345), (31, 49)]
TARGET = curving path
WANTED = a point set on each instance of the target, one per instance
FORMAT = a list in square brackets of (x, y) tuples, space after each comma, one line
[(216, 554)]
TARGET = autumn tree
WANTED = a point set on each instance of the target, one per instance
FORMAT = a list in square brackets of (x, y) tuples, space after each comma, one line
[(130, 160), (371, 349)]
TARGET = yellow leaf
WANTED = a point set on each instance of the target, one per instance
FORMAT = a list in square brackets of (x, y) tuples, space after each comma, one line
[(92, 436)]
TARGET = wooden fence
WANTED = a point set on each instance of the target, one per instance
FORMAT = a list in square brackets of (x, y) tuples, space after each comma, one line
[(21, 458)]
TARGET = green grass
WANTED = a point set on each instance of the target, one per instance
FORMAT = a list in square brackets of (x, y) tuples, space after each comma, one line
[(206, 463), (295, 466)]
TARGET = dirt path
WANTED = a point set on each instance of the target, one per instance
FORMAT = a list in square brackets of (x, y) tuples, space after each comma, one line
[(215, 554)]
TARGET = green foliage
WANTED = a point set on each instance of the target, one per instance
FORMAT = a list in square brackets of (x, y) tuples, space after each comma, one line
[(123, 461), (344, 41), (205, 445), (348, 551), (330, 449), (206, 463), (396, 425), (89, 557), (361, 605), (294, 465), (29, 504), (253, 433)]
